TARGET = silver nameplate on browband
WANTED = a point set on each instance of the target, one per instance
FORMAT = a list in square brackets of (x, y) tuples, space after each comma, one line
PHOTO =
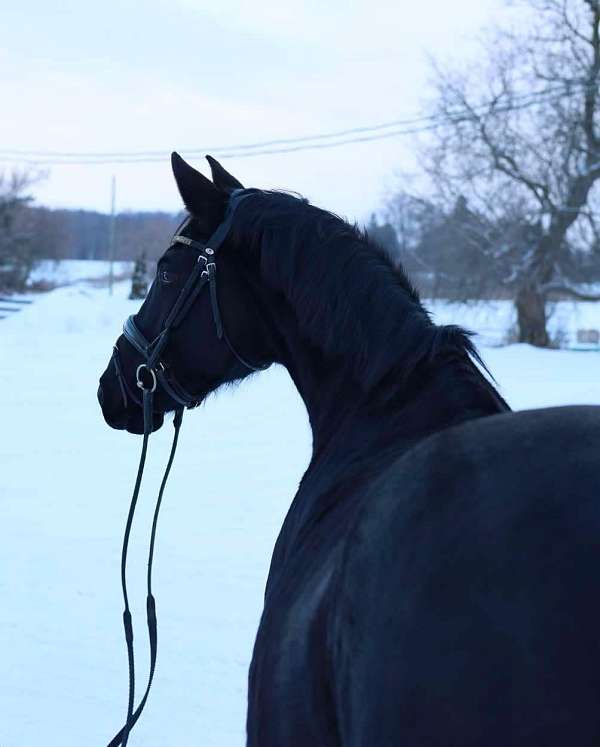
[(182, 240)]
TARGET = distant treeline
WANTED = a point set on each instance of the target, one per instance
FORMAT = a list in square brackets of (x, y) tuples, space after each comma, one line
[(84, 234), (451, 252), (445, 253)]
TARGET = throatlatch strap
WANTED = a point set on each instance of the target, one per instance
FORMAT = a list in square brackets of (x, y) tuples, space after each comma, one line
[(122, 736)]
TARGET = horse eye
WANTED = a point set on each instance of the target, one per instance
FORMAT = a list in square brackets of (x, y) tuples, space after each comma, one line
[(166, 277)]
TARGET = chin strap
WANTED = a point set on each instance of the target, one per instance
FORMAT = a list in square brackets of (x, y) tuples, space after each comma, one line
[(122, 736)]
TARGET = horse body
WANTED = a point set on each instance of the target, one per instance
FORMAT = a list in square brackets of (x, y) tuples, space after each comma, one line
[(294, 646), (448, 604), (435, 582)]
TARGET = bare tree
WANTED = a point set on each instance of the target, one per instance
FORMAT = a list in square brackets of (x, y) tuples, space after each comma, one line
[(445, 247), (410, 214), (520, 136), (18, 246)]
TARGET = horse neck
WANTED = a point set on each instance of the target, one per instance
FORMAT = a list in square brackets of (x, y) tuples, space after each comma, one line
[(349, 424), (357, 436), (350, 420), (345, 321), (376, 375)]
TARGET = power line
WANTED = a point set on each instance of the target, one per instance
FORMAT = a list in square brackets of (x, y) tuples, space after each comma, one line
[(320, 141), (525, 98), (221, 149)]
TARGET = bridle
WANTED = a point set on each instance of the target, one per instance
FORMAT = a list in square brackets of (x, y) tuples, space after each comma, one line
[(154, 371), (151, 374)]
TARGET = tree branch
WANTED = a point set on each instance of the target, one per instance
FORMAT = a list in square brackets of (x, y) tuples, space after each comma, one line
[(569, 290), (591, 89)]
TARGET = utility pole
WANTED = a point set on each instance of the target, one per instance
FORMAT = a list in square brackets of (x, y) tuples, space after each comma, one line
[(111, 234)]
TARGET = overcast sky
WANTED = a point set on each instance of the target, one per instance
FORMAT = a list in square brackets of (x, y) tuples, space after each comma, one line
[(176, 74)]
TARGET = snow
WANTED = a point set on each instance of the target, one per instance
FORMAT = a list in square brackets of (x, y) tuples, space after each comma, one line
[(65, 486), (495, 321), (67, 271)]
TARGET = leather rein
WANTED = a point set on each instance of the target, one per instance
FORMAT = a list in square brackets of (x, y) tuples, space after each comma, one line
[(151, 374)]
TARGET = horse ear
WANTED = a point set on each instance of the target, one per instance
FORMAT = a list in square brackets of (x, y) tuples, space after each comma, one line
[(222, 179), (199, 194)]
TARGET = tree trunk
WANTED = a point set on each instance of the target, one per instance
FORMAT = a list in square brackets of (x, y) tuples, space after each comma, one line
[(531, 316)]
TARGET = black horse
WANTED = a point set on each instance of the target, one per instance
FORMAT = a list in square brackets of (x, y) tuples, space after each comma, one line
[(436, 582)]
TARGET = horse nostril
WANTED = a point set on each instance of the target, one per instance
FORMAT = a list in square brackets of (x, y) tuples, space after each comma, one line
[(100, 395)]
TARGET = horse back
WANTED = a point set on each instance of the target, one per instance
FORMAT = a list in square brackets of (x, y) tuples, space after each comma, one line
[(467, 604)]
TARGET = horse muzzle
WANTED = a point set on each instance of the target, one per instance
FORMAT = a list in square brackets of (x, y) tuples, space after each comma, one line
[(120, 415)]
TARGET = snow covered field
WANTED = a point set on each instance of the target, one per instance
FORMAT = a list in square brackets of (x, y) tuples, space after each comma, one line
[(65, 484), (66, 271)]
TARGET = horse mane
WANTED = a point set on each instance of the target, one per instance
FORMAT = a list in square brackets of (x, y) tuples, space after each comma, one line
[(350, 300)]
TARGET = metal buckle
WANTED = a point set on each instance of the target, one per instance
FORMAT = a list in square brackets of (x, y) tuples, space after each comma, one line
[(140, 383)]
